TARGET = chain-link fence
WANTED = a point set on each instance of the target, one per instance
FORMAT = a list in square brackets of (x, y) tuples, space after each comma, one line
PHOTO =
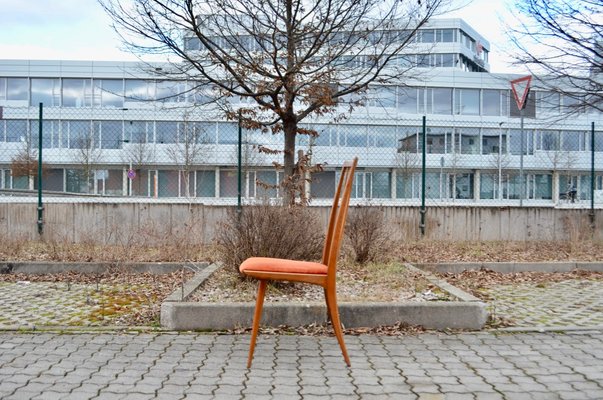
[(146, 151)]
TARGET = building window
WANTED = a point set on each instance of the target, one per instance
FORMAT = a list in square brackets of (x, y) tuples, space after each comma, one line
[(110, 134), (17, 89), (494, 102), (168, 183), (547, 103), (407, 185), (171, 91), (46, 91), (108, 93), (515, 141), (547, 140), (323, 185), (489, 187), (205, 183), (438, 101), (381, 185), (77, 93), (353, 135), (467, 101), (407, 100), (540, 186), (139, 90), (573, 141)]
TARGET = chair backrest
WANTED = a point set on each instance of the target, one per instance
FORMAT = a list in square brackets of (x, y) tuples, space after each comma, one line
[(338, 216)]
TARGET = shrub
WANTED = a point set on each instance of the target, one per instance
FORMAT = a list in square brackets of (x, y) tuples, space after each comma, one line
[(365, 232), (269, 231)]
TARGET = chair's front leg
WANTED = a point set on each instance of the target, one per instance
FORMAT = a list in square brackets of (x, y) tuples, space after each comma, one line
[(257, 316)]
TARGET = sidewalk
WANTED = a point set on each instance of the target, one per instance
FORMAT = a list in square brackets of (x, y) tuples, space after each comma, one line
[(192, 366), (504, 364)]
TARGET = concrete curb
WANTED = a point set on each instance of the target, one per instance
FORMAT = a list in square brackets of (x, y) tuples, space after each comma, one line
[(467, 313), (511, 267), (43, 267)]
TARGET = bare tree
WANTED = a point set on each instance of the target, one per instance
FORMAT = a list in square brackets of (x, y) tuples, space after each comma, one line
[(501, 163), (562, 40), (191, 146), (285, 60), (25, 163), (407, 161), (88, 154)]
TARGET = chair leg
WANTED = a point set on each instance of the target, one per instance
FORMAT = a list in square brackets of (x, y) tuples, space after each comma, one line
[(334, 315), (257, 316), (329, 319)]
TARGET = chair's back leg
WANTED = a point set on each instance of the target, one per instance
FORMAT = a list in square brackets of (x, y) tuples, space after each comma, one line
[(334, 315), (257, 316)]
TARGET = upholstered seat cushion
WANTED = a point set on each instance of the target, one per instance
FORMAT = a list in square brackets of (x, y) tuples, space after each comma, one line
[(267, 264)]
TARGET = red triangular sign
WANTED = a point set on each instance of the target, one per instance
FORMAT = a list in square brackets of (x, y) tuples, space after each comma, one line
[(520, 88)]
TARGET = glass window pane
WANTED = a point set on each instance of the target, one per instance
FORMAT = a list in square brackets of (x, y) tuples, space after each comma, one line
[(488, 183), (381, 185), (206, 184), (77, 93), (138, 131), (108, 93), (171, 91), (442, 101), (323, 185), (111, 134), (17, 89), (80, 135), (447, 35), (265, 178), (16, 130), (383, 136), (543, 186), (406, 185), (428, 36), (353, 135), (570, 141), (407, 100), (229, 183), (46, 91), (228, 133), (491, 102), (490, 141), (2, 88), (467, 101), (166, 132), (168, 183), (469, 140), (139, 90)]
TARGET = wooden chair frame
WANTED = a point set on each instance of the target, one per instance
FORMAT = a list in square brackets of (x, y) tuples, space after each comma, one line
[(330, 255)]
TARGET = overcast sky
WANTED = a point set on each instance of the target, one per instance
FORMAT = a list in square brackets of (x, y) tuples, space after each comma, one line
[(80, 30)]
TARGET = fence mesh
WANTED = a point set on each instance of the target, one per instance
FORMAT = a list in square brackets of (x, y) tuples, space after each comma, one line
[(150, 152)]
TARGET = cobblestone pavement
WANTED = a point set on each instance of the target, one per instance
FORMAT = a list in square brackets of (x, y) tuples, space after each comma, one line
[(61, 303), (193, 366), (554, 304)]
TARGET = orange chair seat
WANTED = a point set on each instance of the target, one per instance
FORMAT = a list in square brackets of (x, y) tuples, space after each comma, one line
[(267, 264)]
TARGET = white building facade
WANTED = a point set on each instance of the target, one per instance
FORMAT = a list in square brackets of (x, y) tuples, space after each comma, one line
[(112, 129)]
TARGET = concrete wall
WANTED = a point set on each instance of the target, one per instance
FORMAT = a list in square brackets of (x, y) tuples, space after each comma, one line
[(126, 223)]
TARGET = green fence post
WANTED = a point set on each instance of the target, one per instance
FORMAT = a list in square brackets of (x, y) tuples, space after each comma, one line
[(239, 166), (40, 206), (592, 176), (423, 172)]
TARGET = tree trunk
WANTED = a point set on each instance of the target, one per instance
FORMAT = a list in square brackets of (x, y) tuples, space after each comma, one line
[(290, 183)]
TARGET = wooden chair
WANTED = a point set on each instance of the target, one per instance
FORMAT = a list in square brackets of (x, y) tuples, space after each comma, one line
[(323, 274)]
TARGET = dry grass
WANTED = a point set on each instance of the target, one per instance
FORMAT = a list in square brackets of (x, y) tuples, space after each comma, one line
[(374, 282), (424, 251)]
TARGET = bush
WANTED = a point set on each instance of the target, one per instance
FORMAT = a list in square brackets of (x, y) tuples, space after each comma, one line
[(269, 231), (365, 232)]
